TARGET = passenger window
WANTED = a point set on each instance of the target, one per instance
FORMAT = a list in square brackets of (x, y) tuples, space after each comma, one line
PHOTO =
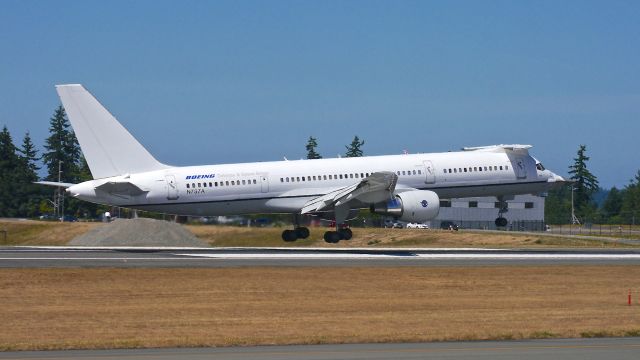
[(187, 186), (199, 184), (303, 178), (233, 182), (506, 168), (227, 182), (254, 181), (298, 179), (465, 169), (204, 184), (404, 172), (420, 172), (455, 170), (361, 175), (216, 183), (475, 168), (287, 179), (500, 167), (445, 171), (281, 180), (244, 182), (340, 176), (351, 176), (324, 177), (414, 172)]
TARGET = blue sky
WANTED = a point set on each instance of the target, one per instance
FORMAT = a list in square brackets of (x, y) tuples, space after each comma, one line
[(218, 82)]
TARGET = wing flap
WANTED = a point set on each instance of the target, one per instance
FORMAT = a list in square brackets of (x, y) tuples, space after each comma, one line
[(375, 188)]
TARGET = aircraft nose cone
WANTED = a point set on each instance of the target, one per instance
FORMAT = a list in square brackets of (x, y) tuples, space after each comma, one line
[(555, 178)]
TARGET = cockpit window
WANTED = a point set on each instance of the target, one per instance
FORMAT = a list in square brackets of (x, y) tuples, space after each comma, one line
[(540, 167)]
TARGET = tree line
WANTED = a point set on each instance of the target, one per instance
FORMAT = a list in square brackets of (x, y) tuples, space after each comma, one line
[(63, 160), (620, 206)]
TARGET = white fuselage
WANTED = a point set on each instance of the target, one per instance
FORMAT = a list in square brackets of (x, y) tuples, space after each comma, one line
[(285, 186)]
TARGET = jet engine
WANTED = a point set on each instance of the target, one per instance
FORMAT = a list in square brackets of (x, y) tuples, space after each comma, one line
[(410, 206)]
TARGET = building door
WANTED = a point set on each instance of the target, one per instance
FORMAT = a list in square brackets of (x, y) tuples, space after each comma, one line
[(264, 183), (430, 172), (172, 187)]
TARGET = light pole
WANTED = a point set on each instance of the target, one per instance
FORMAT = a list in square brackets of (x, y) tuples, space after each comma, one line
[(574, 219), (60, 192)]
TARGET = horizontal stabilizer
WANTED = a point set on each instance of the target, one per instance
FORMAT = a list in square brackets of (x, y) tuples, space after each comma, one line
[(53, 183), (120, 188)]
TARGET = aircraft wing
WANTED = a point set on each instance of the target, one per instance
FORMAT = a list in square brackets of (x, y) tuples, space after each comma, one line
[(377, 187)]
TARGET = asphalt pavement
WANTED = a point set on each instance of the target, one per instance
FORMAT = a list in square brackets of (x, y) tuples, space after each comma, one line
[(569, 349)]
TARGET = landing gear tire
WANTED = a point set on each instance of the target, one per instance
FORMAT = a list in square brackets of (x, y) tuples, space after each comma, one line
[(345, 234), (501, 222), (302, 232), (289, 235), (332, 237)]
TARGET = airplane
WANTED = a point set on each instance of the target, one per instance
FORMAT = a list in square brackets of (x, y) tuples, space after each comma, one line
[(408, 187)]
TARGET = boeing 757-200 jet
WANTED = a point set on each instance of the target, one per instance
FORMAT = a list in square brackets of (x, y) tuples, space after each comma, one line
[(408, 187)]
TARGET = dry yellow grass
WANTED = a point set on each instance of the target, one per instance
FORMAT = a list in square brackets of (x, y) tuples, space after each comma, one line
[(104, 308), (28, 232), (42, 233), (377, 237)]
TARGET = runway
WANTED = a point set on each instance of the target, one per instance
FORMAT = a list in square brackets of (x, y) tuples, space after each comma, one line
[(121, 257), (583, 349)]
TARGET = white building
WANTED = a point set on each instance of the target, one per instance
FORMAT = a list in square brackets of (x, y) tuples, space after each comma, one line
[(525, 212)]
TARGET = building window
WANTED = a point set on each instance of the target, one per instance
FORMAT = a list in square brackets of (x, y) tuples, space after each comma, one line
[(445, 203), (528, 205), (473, 204)]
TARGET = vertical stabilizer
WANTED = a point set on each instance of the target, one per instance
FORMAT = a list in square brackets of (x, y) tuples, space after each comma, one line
[(109, 148)]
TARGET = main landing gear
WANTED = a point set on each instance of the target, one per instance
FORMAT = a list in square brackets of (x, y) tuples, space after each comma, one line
[(333, 237), (299, 232)]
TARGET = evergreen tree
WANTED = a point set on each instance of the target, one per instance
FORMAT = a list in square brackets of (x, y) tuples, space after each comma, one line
[(29, 193), (557, 206), (61, 146), (630, 209), (353, 149), (612, 205), (585, 184), (311, 149), (62, 149), (9, 164)]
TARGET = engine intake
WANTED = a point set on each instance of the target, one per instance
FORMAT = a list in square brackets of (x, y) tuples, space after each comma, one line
[(410, 206)]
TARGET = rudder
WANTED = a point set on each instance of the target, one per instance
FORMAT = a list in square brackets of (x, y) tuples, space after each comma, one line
[(109, 148)]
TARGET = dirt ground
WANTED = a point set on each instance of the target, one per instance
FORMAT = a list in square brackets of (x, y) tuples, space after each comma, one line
[(107, 308)]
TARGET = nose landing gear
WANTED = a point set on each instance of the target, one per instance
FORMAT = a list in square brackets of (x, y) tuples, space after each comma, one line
[(501, 221)]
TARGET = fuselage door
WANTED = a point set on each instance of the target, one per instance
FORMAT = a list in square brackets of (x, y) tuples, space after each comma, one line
[(172, 187), (430, 172), (264, 183), (521, 169)]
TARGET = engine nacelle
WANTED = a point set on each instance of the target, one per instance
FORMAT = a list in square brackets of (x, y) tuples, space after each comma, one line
[(410, 206)]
